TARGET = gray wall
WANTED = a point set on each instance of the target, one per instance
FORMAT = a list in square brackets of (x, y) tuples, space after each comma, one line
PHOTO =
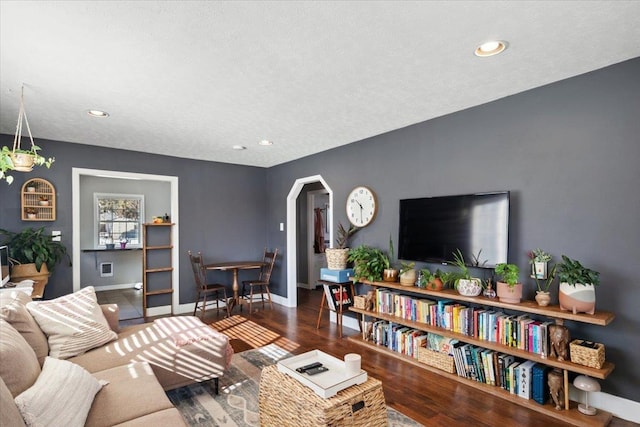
[(221, 206), (568, 152)]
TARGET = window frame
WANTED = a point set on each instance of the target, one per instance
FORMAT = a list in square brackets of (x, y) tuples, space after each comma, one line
[(117, 196)]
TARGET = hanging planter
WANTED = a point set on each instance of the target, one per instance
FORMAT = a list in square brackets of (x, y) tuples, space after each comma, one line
[(17, 158)]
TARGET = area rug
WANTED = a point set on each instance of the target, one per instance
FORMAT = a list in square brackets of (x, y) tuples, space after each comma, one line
[(236, 405)]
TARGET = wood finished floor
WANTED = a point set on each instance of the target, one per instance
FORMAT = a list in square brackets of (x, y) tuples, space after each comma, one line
[(426, 397)]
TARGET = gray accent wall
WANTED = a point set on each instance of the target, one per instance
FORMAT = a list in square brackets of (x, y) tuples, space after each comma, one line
[(569, 153)]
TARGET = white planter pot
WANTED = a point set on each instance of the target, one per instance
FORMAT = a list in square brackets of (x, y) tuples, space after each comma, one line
[(578, 299), (469, 287)]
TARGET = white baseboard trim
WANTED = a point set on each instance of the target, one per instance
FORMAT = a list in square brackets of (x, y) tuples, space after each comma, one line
[(113, 287)]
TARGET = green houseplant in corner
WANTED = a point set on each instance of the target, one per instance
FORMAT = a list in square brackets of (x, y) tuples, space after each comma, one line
[(508, 288), (33, 255), (337, 257), (577, 286)]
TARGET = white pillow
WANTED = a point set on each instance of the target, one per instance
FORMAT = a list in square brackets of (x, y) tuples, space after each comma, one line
[(73, 323), (61, 396)]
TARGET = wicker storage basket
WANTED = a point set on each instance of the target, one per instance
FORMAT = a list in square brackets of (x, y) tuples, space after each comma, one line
[(359, 301), (336, 258), (591, 357), (441, 361), (286, 402)]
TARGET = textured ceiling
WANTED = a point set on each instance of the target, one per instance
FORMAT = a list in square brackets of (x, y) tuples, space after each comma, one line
[(192, 79)]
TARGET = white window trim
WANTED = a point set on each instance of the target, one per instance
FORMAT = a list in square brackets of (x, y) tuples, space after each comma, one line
[(96, 219)]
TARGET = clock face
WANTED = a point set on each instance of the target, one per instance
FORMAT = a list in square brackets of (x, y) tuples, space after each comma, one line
[(361, 206)]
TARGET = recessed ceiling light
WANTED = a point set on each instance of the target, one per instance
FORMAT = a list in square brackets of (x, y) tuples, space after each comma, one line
[(265, 142), (491, 48), (239, 147), (97, 113)]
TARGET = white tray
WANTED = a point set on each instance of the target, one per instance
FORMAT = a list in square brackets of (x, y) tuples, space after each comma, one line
[(325, 384)]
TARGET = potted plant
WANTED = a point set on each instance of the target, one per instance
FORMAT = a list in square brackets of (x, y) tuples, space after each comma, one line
[(507, 288), (542, 293), (31, 213), (431, 281), (390, 274), (577, 286), (368, 263), (43, 200), (462, 280), (33, 255), (538, 259), (407, 273), (31, 186), (337, 257)]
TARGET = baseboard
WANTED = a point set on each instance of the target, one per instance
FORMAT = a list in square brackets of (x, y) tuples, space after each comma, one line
[(113, 287)]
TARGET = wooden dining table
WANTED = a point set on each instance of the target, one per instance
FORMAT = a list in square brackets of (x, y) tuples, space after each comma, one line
[(235, 266)]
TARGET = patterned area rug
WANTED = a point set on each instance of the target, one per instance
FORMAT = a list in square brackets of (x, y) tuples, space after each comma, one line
[(236, 405)]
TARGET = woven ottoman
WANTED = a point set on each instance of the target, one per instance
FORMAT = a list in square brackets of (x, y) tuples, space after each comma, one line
[(286, 402)]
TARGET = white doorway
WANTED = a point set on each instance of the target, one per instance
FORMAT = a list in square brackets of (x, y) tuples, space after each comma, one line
[(318, 212), (292, 246)]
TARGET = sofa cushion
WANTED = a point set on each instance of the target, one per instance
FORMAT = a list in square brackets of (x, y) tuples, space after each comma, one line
[(9, 414), (19, 365), (133, 392), (13, 309), (73, 323), (61, 396), (166, 417)]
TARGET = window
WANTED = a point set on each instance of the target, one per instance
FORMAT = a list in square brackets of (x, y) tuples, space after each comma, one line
[(118, 217)]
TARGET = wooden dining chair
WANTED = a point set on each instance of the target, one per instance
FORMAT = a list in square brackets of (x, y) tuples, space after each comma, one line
[(206, 289), (260, 285)]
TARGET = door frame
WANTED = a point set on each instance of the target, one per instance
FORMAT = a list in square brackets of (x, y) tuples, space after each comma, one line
[(292, 248), (75, 204), (311, 255)]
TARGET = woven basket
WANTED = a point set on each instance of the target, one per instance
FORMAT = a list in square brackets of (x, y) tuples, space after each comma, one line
[(441, 361), (591, 357), (336, 258), (286, 402), (359, 301)]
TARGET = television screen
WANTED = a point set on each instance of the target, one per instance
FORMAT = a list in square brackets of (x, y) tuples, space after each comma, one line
[(4, 265), (432, 228)]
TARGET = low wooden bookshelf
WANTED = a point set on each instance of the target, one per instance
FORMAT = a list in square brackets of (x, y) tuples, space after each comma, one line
[(570, 414), (163, 235)]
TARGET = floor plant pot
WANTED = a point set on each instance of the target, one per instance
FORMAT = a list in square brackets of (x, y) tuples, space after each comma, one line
[(20, 272), (469, 287), (336, 258), (509, 294), (578, 298), (390, 275), (408, 278), (543, 298)]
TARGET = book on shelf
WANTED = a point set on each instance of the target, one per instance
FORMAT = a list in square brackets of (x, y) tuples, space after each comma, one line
[(524, 379), (336, 298), (539, 385)]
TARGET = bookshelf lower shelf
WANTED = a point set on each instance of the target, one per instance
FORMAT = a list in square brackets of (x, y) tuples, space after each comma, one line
[(571, 416)]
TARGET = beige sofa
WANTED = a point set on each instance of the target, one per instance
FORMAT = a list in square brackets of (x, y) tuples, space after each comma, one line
[(139, 363)]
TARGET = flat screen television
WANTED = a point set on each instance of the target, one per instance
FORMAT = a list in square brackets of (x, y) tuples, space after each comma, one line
[(432, 228), (4, 265)]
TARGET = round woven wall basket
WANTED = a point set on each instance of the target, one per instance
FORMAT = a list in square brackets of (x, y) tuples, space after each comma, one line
[(336, 258)]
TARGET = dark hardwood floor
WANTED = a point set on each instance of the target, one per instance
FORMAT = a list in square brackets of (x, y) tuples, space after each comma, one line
[(424, 396)]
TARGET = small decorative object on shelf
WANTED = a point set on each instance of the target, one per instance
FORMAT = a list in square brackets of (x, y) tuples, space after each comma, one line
[(587, 353), (123, 244), (586, 384), (31, 213), (407, 273), (559, 342), (577, 286), (543, 298), (556, 387), (43, 200), (108, 243), (489, 292), (463, 282), (166, 218), (538, 260), (508, 289)]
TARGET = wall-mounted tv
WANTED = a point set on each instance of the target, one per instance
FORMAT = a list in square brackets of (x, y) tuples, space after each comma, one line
[(432, 228)]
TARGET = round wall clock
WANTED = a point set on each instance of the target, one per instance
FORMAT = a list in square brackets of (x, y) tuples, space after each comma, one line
[(361, 206)]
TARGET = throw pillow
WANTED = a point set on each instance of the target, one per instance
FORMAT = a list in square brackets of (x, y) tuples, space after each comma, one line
[(73, 323), (62, 395), (19, 366), (13, 309)]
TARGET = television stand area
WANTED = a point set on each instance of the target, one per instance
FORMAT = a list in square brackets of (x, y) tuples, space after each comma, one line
[(569, 414)]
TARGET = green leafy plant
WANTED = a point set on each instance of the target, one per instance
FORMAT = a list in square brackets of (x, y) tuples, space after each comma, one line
[(7, 164), (344, 235), (368, 263), (551, 275), (406, 266), (573, 272), (475, 260), (34, 246), (508, 273), (538, 255), (463, 270), (390, 254)]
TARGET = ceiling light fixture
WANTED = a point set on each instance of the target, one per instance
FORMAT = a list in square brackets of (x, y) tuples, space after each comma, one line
[(97, 113), (491, 48), (239, 147), (265, 143)]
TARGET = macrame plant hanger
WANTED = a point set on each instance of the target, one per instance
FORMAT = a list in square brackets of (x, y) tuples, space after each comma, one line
[(23, 162)]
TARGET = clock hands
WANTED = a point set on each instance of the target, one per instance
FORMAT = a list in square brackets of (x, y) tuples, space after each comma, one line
[(361, 208)]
